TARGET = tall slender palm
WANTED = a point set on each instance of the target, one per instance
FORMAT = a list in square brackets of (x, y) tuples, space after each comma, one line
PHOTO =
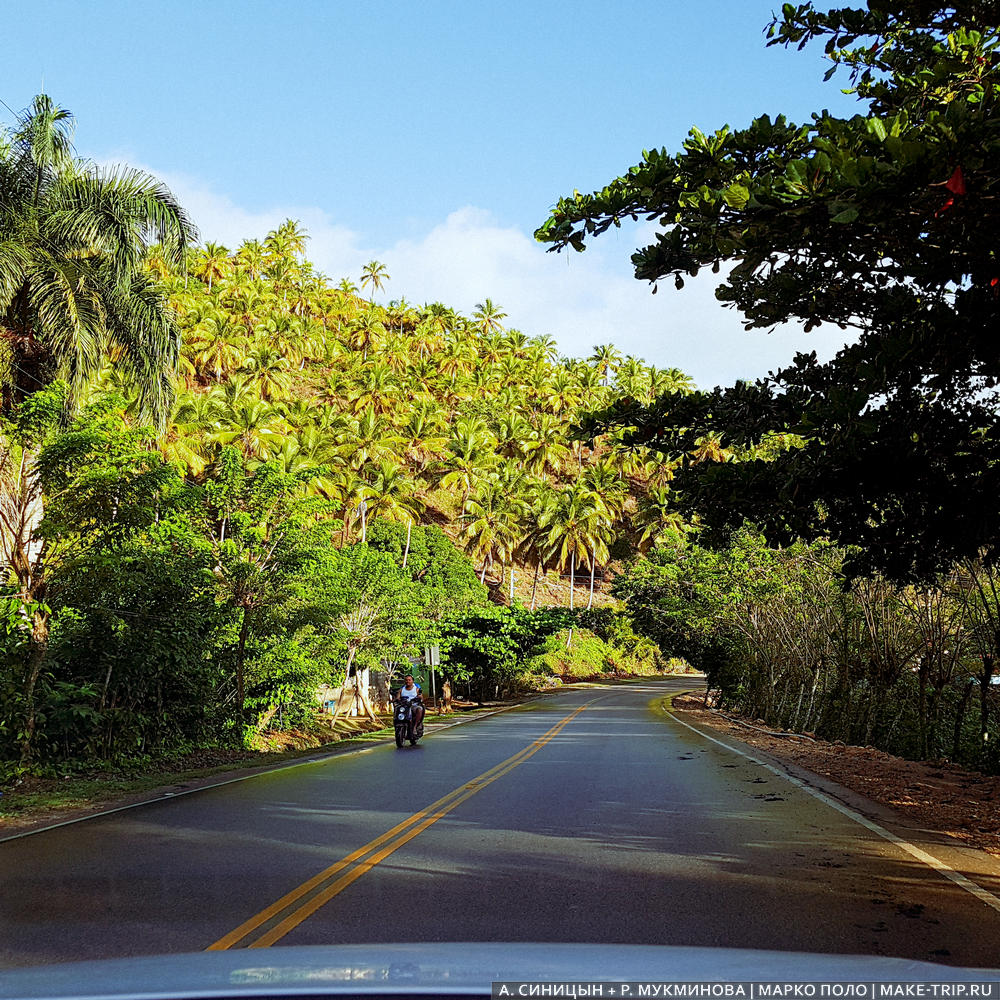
[(251, 257), (490, 527), (488, 317), (604, 359), (575, 523), (392, 494), (294, 236), (544, 447), (533, 546), (542, 347), (376, 274), (212, 263)]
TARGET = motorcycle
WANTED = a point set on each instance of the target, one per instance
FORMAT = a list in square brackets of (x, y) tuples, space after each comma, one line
[(403, 720)]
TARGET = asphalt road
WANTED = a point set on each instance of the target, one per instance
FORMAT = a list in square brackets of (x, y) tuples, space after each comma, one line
[(587, 816)]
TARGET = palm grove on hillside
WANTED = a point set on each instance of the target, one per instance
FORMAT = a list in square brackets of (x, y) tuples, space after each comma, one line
[(338, 482), (196, 440), (416, 413)]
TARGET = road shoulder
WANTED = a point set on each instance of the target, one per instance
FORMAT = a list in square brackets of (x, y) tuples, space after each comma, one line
[(938, 801)]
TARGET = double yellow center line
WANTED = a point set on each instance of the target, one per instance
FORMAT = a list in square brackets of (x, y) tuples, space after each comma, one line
[(296, 906)]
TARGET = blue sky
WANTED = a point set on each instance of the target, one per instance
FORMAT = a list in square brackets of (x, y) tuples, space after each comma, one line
[(433, 136)]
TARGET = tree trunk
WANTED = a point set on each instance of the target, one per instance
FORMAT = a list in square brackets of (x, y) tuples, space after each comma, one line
[(984, 700), (572, 590), (963, 704), (21, 512), (593, 567), (534, 586), (922, 705), (241, 650), (406, 551), (341, 698), (37, 648), (361, 700)]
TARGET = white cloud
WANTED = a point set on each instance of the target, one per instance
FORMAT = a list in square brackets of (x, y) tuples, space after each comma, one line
[(580, 299)]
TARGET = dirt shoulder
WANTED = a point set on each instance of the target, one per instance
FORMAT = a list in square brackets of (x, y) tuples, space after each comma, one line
[(931, 794)]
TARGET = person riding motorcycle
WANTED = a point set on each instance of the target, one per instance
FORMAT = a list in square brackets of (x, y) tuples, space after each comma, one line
[(410, 691)]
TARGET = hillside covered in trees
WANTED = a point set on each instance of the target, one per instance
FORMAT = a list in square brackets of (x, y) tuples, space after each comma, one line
[(229, 480)]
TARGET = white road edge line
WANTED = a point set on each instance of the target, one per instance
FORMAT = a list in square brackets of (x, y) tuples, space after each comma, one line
[(983, 895)]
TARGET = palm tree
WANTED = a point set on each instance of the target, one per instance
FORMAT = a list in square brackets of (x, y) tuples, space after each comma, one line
[(632, 378), (293, 236), (424, 434), (251, 258), (533, 546), (365, 333), (371, 438), (656, 516), (577, 528), (711, 449), (186, 441), (212, 263), (670, 380), (487, 317), (604, 479), (216, 347), (250, 425), (74, 289), (375, 274), (490, 528), (392, 494), (285, 243), (542, 348), (544, 446), (73, 283), (605, 358), (269, 369)]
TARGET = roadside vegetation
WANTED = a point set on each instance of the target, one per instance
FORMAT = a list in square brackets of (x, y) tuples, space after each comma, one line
[(227, 479), (863, 603)]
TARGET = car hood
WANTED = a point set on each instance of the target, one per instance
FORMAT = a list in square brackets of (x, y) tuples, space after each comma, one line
[(453, 969)]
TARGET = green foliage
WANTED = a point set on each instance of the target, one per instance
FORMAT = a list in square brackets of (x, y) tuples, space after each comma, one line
[(784, 637), (485, 650), (196, 582), (73, 288), (446, 581), (586, 656), (634, 653), (883, 222)]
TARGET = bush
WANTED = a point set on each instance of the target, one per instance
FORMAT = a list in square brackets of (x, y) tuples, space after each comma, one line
[(587, 656)]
